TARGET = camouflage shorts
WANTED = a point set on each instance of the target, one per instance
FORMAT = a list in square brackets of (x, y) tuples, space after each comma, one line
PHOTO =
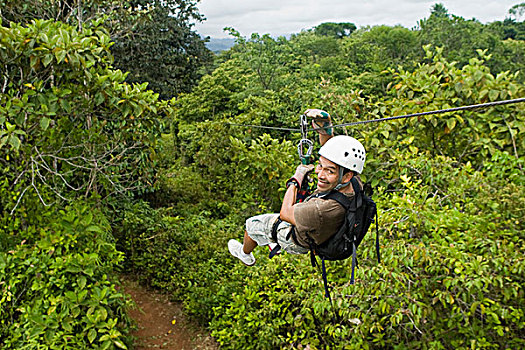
[(259, 229)]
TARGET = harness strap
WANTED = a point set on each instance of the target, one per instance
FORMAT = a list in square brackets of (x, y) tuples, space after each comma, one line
[(275, 227), (291, 233), (327, 291), (313, 260), (354, 262), (277, 248), (325, 282), (377, 241)]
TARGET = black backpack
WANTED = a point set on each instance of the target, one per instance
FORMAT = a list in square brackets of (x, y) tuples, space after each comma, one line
[(360, 213)]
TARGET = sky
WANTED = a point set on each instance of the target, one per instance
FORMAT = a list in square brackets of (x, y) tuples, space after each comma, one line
[(282, 17)]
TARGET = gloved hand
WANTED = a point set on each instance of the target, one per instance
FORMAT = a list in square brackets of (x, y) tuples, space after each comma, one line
[(321, 121), (301, 172)]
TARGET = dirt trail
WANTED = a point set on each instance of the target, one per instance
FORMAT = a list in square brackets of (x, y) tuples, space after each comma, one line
[(161, 323)]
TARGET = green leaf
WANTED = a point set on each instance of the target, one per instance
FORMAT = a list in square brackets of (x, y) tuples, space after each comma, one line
[(102, 314), (451, 123), (65, 105), (71, 295), (120, 344), (44, 123), (94, 228), (92, 334), (82, 282), (60, 55), (99, 98), (15, 142), (33, 61), (47, 59), (493, 95), (10, 127)]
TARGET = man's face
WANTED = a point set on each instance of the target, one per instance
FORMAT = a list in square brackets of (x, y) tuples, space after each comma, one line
[(327, 175)]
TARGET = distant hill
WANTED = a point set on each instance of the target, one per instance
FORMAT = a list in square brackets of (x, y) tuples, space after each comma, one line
[(217, 45)]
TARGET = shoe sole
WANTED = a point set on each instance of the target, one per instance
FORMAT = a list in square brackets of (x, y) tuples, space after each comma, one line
[(246, 263)]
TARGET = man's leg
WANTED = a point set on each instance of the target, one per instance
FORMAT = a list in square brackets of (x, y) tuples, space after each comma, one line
[(260, 228), (243, 251), (248, 244)]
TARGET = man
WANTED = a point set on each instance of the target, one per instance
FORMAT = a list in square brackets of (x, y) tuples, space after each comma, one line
[(298, 225)]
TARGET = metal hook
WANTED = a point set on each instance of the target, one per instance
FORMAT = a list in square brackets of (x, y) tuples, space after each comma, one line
[(304, 126), (305, 144)]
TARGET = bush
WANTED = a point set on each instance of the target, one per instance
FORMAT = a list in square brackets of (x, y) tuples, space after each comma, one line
[(58, 289)]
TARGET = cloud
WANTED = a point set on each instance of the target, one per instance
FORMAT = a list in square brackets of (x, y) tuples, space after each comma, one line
[(278, 17)]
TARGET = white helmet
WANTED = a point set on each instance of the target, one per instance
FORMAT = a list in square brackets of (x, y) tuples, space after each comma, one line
[(345, 151)]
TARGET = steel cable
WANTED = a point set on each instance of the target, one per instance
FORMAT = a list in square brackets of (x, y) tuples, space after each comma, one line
[(447, 110)]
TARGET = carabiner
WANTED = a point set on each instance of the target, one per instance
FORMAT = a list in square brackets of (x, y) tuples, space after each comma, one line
[(305, 144), (304, 126)]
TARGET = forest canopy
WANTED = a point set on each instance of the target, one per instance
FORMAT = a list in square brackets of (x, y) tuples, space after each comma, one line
[(128, 147)]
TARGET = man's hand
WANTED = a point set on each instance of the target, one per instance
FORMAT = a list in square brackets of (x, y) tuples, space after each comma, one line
[(301, 172), (321, 121), (290, 196)]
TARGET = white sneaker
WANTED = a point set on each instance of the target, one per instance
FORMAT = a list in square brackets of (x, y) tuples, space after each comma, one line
[(235, 248)]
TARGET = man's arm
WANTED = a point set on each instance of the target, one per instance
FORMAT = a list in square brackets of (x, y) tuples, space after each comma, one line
[(323, 138), (287, 212), (293, 185)]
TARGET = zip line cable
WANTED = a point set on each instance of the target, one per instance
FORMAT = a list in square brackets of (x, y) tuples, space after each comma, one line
[(440, 111), (454, 109), (265, 127)]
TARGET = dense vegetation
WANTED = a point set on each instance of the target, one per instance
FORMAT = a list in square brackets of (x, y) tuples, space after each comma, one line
[(101, 175)]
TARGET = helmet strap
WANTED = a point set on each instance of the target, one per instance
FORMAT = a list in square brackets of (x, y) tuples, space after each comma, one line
[(340, 180)]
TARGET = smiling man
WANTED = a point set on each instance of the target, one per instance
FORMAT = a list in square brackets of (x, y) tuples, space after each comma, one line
[(299, 225)]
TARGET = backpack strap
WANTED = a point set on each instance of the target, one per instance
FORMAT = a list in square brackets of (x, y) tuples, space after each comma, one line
[(343, 199), (352, 206), (357, 192), (354, 262), (339, 198)]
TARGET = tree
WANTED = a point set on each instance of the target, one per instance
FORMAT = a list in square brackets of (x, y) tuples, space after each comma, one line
[(458, 37), (69, 124), (264, 56), (76, 13), (439, 10), (517, 11), (338, 30), (163, 50), (508, 29), (154, 39), (378, 47)]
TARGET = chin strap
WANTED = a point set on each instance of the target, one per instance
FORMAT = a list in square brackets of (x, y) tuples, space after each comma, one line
[(340, 184)]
